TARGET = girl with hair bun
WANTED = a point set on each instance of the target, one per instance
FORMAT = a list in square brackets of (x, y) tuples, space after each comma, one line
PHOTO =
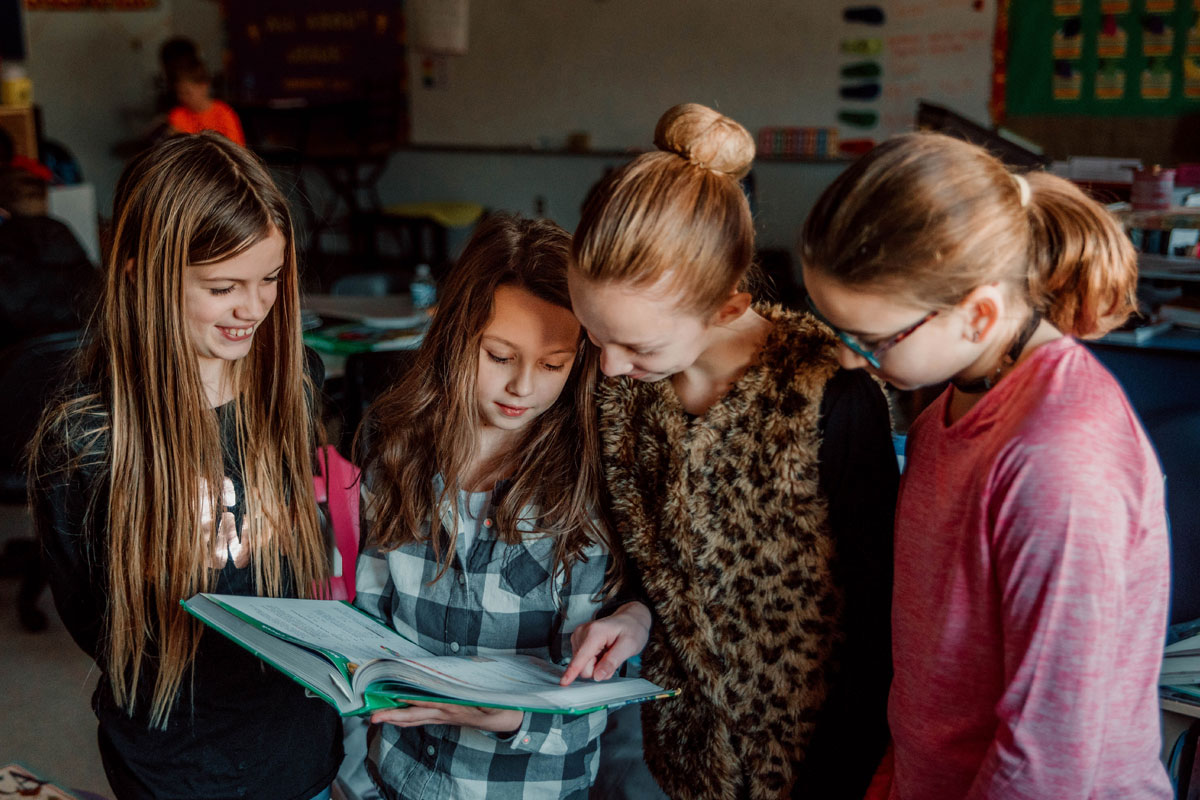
[(752, 482), (1031, 572)]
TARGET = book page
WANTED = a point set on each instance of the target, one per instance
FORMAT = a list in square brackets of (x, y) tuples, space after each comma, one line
[(513, 681), (381, 658), (316, 672), (326, 625)]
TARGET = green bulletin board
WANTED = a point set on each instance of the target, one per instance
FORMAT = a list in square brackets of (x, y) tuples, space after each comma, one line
[(1103, 57)]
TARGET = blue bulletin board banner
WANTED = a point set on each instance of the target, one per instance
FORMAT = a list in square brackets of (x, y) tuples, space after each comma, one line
[(1103, 57)]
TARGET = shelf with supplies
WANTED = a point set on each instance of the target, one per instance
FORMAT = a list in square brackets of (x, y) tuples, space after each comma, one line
[(1167, 241), (1170, 301), (1171, 268), (1165, 337)]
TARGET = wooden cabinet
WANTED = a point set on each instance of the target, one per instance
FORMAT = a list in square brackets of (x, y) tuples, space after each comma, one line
[(18, 122)]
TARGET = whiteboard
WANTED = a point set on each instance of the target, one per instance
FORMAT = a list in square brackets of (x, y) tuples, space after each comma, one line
[(537, 71)]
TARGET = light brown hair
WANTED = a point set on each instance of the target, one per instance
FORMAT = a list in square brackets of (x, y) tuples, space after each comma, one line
[(679, 211), (427, 425), (930, 218), (189, 200)]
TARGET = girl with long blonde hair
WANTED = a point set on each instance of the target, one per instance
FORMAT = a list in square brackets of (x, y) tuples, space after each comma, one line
[(483, 537), (181, 462)]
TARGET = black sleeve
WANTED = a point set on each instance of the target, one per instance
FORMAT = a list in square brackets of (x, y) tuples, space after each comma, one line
[(314, 367), (314, 391), (67, 512), (859, 478)]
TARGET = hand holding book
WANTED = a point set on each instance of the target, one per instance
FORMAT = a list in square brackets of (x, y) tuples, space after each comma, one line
[(420, 712)]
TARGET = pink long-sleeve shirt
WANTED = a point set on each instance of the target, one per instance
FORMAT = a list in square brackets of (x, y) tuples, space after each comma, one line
[(1030, 594)]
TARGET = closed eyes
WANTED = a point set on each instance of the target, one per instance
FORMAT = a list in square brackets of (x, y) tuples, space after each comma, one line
[(227, 289), (507, 359)]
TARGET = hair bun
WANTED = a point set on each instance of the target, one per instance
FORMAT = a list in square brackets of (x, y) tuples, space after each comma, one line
[(706, 138)]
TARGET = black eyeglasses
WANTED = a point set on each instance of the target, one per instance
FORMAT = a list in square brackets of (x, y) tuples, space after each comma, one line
[(870, 354)]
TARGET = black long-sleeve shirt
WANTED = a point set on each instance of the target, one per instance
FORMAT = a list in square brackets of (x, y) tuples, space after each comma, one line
[(239, 728), (857, 461)]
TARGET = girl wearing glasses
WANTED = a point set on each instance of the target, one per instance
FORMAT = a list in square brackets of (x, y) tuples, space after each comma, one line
[(752, 481), (1031, 568)]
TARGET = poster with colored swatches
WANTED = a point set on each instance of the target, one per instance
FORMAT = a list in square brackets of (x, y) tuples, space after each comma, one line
[(1103, 57), (892, 55)]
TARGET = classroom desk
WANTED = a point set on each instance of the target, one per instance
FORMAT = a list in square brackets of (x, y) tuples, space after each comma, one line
[(377, 310), (1175, 338), (1168, 268)]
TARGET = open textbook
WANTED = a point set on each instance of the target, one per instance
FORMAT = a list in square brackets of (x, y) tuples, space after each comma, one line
[(359, 665)]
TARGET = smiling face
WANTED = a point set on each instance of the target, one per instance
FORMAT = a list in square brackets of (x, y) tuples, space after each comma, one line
[(641, 331), (525, 357), (225, 302)]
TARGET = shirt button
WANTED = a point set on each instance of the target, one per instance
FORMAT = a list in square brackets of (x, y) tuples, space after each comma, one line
[(430, 750), (525, 740), (462, 579), (487, 523), (454, 647)]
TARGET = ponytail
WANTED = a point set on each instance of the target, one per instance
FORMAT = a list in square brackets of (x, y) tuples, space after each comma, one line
[(1082, 266), (929, 218)]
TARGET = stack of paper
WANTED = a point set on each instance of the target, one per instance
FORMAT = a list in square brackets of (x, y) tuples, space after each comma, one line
[(1181, 663)]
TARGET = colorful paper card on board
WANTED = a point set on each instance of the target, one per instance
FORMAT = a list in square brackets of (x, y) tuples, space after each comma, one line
[(1109, 58)]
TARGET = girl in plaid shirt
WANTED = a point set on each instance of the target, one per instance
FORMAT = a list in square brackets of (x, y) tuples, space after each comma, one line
[(481, 534)]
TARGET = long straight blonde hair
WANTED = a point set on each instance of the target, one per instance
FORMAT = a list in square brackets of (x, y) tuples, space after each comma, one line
[(189, 201)]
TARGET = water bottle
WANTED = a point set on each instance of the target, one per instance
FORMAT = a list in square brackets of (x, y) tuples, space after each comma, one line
[(422, 288)]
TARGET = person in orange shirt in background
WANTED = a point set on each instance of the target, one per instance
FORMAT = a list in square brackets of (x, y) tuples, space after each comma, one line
[(197, 110)]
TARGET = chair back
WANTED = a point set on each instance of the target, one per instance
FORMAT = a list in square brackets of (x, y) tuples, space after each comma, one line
[(32, 374), (337, 491), (369, 375)]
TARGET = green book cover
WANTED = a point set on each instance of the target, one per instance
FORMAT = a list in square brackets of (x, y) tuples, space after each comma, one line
[(359, 665)]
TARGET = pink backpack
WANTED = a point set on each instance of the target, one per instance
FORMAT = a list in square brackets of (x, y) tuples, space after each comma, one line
[(337, 489)]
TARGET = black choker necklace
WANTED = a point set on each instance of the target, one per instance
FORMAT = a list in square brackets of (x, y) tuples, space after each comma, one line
[(981, 385)]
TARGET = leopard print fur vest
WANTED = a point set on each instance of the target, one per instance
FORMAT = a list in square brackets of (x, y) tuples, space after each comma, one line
[(722, 516)]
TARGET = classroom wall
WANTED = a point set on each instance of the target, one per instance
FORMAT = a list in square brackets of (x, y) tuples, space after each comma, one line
[(94, 76), (94, 79), (785, 191), (535, 71)]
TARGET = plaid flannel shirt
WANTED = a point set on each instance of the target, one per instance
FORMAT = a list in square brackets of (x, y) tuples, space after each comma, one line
[(495, 598)]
